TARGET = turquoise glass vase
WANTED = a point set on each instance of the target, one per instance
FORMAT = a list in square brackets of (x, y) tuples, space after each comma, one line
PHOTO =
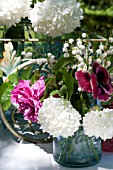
[(77, 151)]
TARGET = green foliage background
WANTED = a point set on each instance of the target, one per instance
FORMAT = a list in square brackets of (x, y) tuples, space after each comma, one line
[(98, 16)]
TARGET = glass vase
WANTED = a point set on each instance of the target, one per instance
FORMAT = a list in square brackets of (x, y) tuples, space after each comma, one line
[(77, 151)]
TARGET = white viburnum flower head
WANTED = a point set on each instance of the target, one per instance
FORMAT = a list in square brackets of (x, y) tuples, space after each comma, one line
[(12, 13), (99, 124), (56, 17), (58, 117)]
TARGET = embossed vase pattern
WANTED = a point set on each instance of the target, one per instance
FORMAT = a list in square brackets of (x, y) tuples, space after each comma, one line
[(77, 151)]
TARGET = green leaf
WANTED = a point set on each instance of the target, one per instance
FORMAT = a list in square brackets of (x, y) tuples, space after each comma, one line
[(1, 73), (108, 102), (58, 77), (68, 80), (26, 73), (54, 92), (5, 94), (63, 90), (35, 76), (13, 77), (62, 62), (3, 87)]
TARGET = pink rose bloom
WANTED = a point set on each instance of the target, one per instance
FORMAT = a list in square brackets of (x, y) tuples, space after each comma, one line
[(27, 98)]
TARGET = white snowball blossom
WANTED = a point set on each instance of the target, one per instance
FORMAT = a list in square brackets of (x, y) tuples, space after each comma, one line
[(12, 11), (56, 17), (99, 124), (58, 117)]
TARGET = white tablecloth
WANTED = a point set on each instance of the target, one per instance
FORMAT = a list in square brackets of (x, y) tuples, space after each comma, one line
[(19, 155)]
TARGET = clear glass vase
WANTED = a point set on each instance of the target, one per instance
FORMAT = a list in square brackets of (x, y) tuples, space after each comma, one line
[(77, 151)]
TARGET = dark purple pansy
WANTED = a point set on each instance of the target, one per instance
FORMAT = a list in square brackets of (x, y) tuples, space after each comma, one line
[(98, 83)]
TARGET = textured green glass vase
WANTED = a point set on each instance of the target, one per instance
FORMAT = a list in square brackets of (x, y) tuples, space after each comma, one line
[(77, 151)]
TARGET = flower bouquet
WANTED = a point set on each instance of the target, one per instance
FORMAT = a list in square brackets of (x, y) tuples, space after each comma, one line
[(65, 96)]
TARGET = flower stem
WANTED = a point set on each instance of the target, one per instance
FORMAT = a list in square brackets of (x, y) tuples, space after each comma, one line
[(93, 150), (63, 152)]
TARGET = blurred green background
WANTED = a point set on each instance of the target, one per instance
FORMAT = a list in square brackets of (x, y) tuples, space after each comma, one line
[(98, 16)]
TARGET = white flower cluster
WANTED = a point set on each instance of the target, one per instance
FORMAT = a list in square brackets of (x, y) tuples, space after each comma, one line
[(58, 117), (12, 11), (84, 53), (81, 53), (27, 55), (103, 52), (56, 17), (99, 124)]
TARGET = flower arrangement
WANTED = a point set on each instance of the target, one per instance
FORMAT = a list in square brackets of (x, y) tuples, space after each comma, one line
[(77, 79), (63, 95), (67, 96)]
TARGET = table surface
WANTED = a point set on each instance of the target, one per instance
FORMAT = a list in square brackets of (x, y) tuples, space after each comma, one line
[(21, 155)]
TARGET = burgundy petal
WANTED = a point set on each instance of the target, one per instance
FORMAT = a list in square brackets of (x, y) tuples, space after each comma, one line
[(84, 80), (102, 75), (95, 66), (94, 85), (102, 95)]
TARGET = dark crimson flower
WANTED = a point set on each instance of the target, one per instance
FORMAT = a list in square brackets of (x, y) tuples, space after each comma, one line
[(27, 98), (97, 83)]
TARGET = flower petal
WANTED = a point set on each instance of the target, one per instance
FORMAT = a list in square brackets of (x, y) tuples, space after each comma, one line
[(104, 92), (39, 87), (84, 80), (94, 85), (95, 66), (102, 75)]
